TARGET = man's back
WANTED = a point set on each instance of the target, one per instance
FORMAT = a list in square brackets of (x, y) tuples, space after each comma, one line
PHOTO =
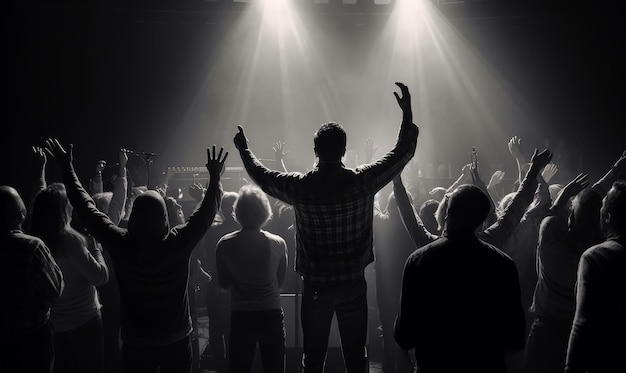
[(461, 306), (30, 278)]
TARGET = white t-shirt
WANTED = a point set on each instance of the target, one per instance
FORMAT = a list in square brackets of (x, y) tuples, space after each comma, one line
[(252, 263)]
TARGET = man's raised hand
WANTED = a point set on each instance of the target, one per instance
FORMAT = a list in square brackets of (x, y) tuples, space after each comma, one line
[(215, 162), (404, 101), (241, 143), (57, 151)]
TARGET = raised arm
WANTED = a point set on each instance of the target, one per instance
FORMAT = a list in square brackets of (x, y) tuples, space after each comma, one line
[(274, 183), (95, 184), (201, 219), (502, 229), (280, 154), (462, 179), (603, 185), (560, 205), (97, 223), (411, 220), (515, 148), (118, 200), (391, 164)]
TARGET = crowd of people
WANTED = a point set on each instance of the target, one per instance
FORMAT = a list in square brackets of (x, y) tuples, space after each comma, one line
[(466, 278)]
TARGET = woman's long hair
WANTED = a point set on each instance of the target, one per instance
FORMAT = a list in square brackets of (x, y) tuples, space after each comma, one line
[(51, 216)]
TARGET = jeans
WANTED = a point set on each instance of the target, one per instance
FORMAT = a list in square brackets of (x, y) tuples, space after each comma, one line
[(546, 348), (172, 358), (320, 301), (267, 328), (80, 350)]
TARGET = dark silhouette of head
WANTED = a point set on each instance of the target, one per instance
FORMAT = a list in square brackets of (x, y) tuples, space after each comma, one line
[(252, 208), (12, 208), (468, 207), (148, 221), (427, 214), (51, 213), (330, 142), (584, 217), (613, 212)]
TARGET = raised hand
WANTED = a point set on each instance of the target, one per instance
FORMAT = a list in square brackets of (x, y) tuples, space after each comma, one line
[(515, 147), (241, 143), (215, 162), (196, 191), (123, 157), (466, 172), (369, 149), (549, 171), (540, 160), (279, 151), (40, 155), (620, 165), (57, 151), (100, 166), (404, 101), (575, 186), (496, 179)]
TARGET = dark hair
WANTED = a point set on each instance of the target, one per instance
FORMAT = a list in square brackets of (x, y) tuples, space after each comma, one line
[(585, 214), (252, 207), (468, 207), (51, 216), (615, 204), (330, 141)]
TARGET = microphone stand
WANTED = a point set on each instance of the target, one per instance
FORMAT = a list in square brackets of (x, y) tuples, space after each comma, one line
[(147, 159)]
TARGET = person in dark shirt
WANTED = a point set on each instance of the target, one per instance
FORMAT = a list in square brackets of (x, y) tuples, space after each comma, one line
[(460, 306), (151, 261), (334, 212), (30, 279), (597, 342)]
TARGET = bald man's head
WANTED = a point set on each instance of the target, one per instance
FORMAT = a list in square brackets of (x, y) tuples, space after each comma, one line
[(12, 209)]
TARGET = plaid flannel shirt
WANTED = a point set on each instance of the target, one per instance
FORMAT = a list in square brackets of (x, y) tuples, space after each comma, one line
[(334, 208)]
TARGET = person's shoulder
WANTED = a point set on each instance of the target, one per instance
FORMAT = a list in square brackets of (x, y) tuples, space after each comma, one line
[(432, 249), (496, 252), (273, 237), (24, 239), (607, 250)]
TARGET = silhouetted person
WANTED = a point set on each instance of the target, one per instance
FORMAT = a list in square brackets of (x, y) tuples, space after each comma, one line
[(392, 247), (75, 315), (151, 261), (217, 299), (460, 306), (597, 342), (563, 237), (334, 210), (30, 279), (251, 263)]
